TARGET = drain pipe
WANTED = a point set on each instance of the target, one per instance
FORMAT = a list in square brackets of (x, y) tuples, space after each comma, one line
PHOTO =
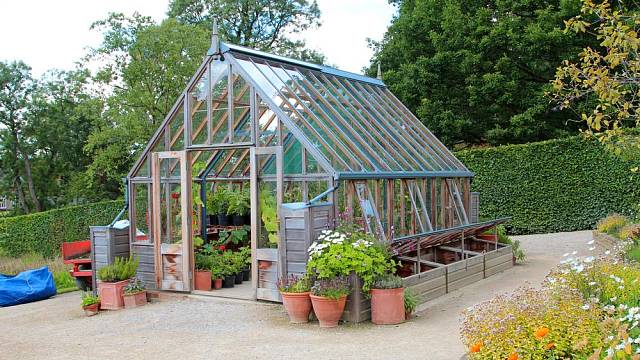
[(325, 193)]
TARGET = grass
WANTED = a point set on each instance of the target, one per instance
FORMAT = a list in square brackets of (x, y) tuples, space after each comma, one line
[(63, 280)]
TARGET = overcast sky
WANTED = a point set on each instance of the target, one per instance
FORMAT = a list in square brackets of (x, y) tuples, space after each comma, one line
[(50, 34)]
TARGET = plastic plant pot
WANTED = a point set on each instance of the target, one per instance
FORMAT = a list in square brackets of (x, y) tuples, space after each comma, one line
[(238, 280), (229, 281)]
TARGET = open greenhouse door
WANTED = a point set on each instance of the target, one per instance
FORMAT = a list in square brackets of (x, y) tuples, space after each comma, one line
[(266, 202), (171, 186)]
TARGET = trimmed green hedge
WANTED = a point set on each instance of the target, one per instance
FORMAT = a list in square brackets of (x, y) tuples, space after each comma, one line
[(44, 232), (557, 185)]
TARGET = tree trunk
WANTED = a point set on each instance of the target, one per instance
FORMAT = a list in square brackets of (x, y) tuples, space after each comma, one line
[(21, 201), (27, 172)]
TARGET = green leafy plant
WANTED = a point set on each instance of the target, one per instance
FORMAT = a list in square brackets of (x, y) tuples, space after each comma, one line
[(134, 286), (630, 232), (89, 299), (204, 261), (333, 288), (269, 216), (236, 236), (387, 281), (336, 254), (121, 269), (516, 248), (612, 224), (219, 201), (239, 203), (294, 284), (198, 241), (246, 255), (410, 301)]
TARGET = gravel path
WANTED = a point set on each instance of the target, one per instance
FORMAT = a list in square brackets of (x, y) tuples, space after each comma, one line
[(208, 328)]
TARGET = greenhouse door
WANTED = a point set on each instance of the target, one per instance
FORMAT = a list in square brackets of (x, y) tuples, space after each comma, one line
[(266, 201), (171, 220)]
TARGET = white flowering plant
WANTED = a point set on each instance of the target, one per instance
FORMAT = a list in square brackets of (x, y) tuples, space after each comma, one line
[(337, 253)]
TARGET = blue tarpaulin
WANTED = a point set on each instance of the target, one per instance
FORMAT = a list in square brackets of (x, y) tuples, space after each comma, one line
[(28, 286)]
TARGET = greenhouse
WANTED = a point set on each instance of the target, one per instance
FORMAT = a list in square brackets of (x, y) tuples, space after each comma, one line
[(288, 149)]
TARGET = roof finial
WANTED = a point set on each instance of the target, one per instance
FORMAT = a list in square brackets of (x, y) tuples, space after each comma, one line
[(215, 40), (379, 72)]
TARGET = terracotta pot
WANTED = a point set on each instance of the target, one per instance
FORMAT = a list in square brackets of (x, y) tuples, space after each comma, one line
[(203, 280), (217, 284), (328, 311), (92, 309), (135, 300), (111, 294), (408, 316), (298, 306), (387, 306)]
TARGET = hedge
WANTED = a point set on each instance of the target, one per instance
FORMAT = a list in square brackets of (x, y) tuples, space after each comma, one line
[(557, 185), (44, 232)]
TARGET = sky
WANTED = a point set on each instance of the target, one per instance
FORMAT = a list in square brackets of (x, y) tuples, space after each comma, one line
[(50, 34)]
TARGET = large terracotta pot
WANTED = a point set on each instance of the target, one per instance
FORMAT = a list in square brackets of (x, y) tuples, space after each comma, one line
[(112, 294), (298, 306), (328, 311), (387, 306), (135, 300), (203, 280)]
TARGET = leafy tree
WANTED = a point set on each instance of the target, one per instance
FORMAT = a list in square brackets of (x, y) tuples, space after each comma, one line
[(476, 71), (261, 24)]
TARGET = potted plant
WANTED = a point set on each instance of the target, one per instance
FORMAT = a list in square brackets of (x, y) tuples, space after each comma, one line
[(210, 206), (246, 254), (410, 303), (228, 269), (238, 265), (112, 280), (216, 274), (328, 297), (204, 262), (387, 300), (90, 303), (295, 297), (238, 207), (135, 294), (220, 203)]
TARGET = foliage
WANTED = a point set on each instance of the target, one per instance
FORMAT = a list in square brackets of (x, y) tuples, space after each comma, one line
[(203, 261), (237, 236), (332, 288), (239, 203), (198, 241), (516, 248), (89, 299), (336, 254), (269, 215), (477, 71), (387, 281), (534, 324), (121, 269), (219, 201), (260, 24), (43, 233), (551, 186), (410, 301), (64, 281), (134, 286), (630, 231), (294, 284), (612, 224), (604, 76)]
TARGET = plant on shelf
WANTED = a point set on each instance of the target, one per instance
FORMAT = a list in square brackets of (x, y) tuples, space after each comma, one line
[(135, 293), (245, 252), (228, 268), (237, 237), (339, 254), (238, 206), (410, 303), (90, 303), (295, 292), (219, 205), (113, 278), (204, 262), (328, 297), (238, 265), (387, 300)]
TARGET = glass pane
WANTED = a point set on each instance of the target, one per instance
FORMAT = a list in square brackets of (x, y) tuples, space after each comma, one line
[(241, 110), (219, 102), (269, 233), (268, 123), (170, 219), (198, 103), (176, 129), (143, 211)]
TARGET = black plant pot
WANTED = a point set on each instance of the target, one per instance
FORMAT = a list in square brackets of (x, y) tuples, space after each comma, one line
[(228, 281), (213, 220), (246, 273), (238, 278), (223, 220), (247, 219), (238, 220)]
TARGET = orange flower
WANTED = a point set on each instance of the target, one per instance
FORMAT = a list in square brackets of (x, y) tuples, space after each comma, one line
[(550, 346), (476, 347), (513, 356), (541, 333)]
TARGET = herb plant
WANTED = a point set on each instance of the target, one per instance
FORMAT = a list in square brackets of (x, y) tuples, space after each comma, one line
[(388, 281), (333, 288), (134, 286), (89, 299), (294, 284), (121, 269), (410, 301)]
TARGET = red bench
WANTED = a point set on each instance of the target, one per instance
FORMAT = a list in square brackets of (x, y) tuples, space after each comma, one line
[(78, 254)]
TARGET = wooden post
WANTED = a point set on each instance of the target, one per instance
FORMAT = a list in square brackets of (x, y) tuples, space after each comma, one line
[(403, 227), (389, 198)]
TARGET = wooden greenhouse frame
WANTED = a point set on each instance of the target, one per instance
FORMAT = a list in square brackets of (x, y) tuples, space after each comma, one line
[(319, 137)]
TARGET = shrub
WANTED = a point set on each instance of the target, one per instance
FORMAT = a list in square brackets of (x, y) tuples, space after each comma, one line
[(629, 232), (612, 224), (557, 185), (410, 301), (387, 281), (44, 232), (121, 269), (534, 324)]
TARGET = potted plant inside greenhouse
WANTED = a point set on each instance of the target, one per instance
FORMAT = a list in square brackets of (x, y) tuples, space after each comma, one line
[(246, 255), (217, 273), (112, 280), (328, 297), (295, 291), (135, 294), (238, 265), (90, 303), (220, 204), (204, 263), (228, 269), (387, 300), (238, 207)]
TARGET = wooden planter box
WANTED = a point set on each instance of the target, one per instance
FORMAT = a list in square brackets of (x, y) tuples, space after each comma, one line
[(358, 307)]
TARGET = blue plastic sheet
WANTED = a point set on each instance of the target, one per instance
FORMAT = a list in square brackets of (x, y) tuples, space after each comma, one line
[(28, 286)]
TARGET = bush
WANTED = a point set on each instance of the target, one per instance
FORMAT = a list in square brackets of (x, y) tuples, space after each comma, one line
[(629, 232), (612, 224), (44, 232), (557, 185), (121, 269)]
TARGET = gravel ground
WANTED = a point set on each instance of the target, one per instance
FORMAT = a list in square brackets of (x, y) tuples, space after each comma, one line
[(199, 327)]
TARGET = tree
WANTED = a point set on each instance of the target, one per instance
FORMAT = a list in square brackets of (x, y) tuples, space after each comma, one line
[(603, 86), (261, 24), (476, 71)]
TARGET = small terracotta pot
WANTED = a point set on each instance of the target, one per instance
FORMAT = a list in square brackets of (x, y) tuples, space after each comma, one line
[(328, 311), (203, 280), (135, 300), (298, 306), (408, 316), (92, 309), (217, 284), (112, 294), (387, 306)]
